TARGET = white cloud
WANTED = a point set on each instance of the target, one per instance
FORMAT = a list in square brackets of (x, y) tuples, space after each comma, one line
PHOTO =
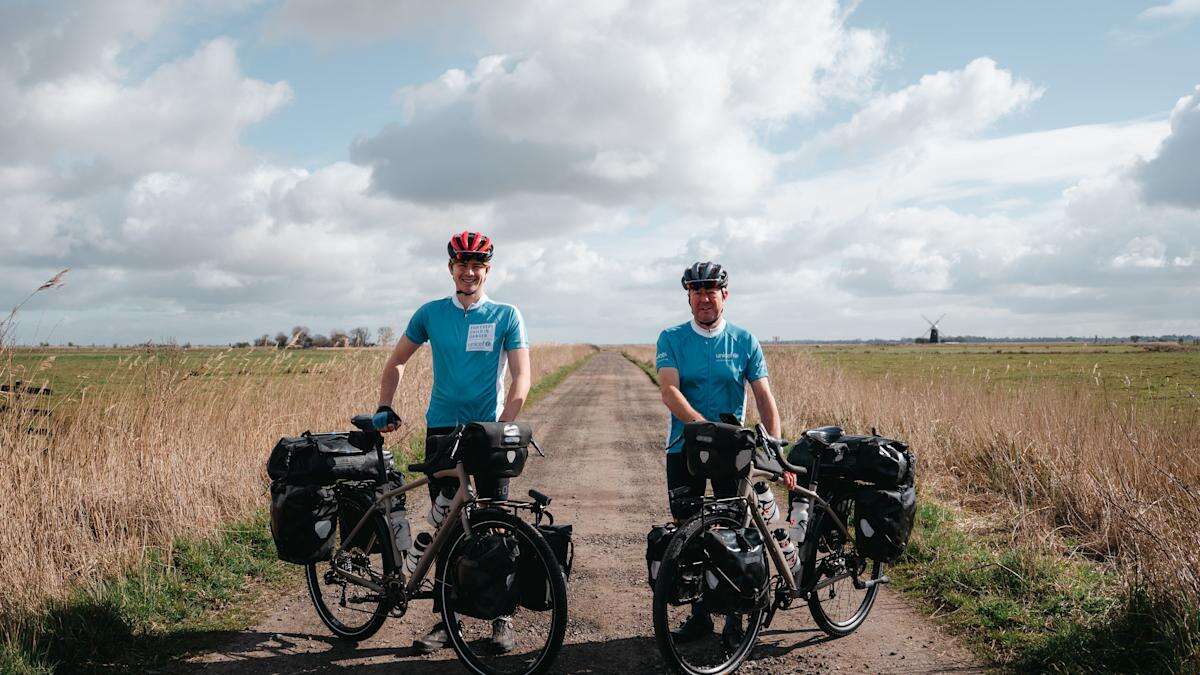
[(946, 104), (1172, 11), (614, 103), (1171, 177)]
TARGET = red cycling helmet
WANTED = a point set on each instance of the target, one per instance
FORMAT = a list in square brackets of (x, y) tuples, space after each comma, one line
[(470, 246)]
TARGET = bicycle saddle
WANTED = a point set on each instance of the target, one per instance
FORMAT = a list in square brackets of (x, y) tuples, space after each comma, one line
[(825, 435)]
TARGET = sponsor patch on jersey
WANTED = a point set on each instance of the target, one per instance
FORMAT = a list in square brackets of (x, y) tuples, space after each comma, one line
[(481, 337), (727, 356)]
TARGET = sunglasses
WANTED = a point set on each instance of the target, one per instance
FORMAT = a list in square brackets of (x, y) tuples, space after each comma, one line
[(706, 285), (470, 257)]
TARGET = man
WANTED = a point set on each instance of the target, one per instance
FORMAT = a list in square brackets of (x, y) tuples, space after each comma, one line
[(703, 367), (473, 340)]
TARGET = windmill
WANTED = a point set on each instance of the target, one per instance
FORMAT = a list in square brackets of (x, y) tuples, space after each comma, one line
[(933, 328)]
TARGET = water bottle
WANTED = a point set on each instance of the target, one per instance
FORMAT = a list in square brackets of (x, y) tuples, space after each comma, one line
[(790, 555), (439, 509), (424, 539), (766, 502), (798, 519)]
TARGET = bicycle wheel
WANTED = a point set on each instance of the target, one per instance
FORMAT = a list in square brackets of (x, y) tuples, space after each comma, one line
[(678, 598), (838, 607), (537, 635), (351, 611)]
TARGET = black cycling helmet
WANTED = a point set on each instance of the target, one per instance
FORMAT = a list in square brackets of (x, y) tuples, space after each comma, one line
[(705, 275)]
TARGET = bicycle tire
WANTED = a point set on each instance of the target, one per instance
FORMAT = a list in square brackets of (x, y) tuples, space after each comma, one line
[(664, 592), (372, 620), (483, 520), (826, 533)]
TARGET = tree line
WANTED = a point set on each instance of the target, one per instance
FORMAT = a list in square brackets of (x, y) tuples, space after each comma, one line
[(302, 337)]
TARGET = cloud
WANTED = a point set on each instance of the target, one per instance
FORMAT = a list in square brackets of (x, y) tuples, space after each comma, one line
[(1172, 11), (616, 105), (1171, 177), (946, 104)]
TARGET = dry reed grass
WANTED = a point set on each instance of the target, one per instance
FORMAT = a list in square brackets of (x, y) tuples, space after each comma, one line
[(1119, 483), (128, 469)]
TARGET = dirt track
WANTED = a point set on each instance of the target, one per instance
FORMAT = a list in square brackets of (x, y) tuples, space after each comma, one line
[(602, 429)]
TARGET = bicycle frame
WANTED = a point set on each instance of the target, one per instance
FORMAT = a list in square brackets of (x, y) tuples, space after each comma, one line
[(773, 550), (383, 504)]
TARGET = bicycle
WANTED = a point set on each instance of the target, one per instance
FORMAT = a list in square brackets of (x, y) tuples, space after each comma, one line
[(364, 581), (838, 585)]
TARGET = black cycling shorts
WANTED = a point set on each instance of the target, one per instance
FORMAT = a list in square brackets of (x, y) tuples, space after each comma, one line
[(684, 491)]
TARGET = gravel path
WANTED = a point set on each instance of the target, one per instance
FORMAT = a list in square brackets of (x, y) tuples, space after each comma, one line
[(602, 429)]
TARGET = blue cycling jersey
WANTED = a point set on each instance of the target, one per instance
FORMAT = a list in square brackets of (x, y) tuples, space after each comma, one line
[(470, 357), (714, 367)]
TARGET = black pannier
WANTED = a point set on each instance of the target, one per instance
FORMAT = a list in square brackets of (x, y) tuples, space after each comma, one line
[(882, 462), (353, 503), (657, 540), (884, 521), (303, 519), (718, 450), (321, 459), (735, 580), (485, 577), (531, 575), (495, 449)]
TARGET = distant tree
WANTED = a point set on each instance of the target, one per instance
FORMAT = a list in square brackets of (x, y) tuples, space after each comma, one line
[(300, 336), (338, 338), (359, 337), (281, 339), (386, 334), (317, 341), (1135, 338), (263, 340), (240, 345)]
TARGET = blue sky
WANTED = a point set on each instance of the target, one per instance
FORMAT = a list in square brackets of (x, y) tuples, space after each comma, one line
[(211, 172)]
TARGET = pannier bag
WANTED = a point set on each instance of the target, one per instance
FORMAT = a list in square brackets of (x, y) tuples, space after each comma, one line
[(735, 579), (657, 540), (884, 521), (717, 450), (882, 462), (354, 502), (495, 449), (485, 577), (303, 519), (531, 575), (321, 459)]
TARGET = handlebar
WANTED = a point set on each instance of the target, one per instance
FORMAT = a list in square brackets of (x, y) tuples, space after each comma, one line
[(775, 446)]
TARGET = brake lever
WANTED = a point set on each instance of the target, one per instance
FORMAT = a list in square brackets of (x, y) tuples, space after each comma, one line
[(536, 446)]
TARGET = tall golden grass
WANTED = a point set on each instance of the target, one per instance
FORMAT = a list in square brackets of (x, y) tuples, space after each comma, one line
[(1066, 466), (161, 451)]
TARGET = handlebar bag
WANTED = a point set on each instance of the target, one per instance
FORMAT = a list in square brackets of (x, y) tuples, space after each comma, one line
[(495, 449), (735, 580), (303, 519), (531, 573), (321, 459), (485, 577), (716, 450), (884, 521)]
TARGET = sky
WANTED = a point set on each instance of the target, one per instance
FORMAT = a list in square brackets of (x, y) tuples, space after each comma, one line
[(214, 171)]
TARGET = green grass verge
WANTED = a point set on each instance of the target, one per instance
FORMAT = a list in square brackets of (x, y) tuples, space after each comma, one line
[(1032, 610), (647, 368), (176, 602)]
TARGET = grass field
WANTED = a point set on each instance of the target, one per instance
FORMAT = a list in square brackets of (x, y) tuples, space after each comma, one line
[(1166, 374)]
